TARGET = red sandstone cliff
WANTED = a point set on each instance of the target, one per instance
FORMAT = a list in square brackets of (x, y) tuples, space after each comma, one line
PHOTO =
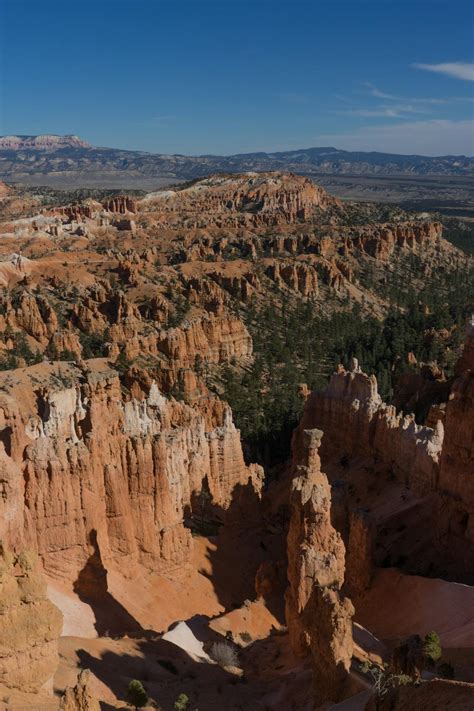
[(89, 472)]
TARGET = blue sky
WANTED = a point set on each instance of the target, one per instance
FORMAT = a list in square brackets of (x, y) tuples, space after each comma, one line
[(226, 76)]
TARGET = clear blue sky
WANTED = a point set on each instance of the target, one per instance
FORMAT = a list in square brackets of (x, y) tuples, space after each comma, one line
[(225, 76)]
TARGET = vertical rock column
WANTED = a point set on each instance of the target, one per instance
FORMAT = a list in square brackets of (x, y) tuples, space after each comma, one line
[(318, 615)]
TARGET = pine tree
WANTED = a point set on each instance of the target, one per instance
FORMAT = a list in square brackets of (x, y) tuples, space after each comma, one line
[(136, 694)]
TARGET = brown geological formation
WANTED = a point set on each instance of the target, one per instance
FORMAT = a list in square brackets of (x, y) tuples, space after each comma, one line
[(5, 190), (77, 213), (103, 471), (250, 199), (107, 476), (188, 254), (79, 697), (121, 204), (380, 241), (360, 552), (318, 615), (13, 270), (301, 278), (358, 423), (30, 625), (430, 462), (416, 390), (214, 339), (376, 241), (33, 314)]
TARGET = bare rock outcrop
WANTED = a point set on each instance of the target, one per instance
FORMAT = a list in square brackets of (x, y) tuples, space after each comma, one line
[(456, 487), (121, 204), (30, 625), (357, 423), (33, 314), (318, 615), (249, 199), (380, 242), (360, 552), (213, 339), (79, 697), (105, 475), (432, 463)]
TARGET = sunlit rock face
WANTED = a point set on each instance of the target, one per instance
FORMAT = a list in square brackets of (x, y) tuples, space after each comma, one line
[(318, 616), (107, 473)]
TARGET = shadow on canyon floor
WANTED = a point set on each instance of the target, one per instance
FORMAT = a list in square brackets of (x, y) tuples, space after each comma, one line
[(166, 671), (242, 545), (111, 617)]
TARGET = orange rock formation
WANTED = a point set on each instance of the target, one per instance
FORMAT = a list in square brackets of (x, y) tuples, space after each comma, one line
[(108, 475), (318, 615), (30, 625)]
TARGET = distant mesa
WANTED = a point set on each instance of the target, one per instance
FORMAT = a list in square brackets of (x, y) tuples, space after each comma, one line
[(43, 142)]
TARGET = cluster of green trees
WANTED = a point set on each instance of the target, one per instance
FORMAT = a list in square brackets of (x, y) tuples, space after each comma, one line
[(297, 343), (137, 697)]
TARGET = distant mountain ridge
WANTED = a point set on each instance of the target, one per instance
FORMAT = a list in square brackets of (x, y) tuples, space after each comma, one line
[(42, 142), (70, 159)]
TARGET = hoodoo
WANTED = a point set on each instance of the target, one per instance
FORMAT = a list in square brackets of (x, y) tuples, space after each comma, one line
[(317, 613)]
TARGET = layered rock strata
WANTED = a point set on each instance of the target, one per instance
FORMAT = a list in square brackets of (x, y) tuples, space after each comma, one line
[(250, 199), (318, 615), (79, 697), (91, 471)]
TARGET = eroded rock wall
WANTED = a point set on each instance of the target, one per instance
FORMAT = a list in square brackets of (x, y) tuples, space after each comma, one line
[(435, 464), (92, 470), (357, 423)]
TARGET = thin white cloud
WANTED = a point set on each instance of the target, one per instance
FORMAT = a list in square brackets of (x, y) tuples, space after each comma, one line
[(374, 91), (376, 113), (433, 138), (344, 99), (459, 70), (387, 113), (409, 109), (402, 111)]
